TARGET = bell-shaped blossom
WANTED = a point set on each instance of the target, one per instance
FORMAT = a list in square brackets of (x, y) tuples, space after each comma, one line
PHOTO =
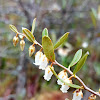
[(43, 62), (48, 73), (92, 97), (77, 95), (38, 57), (62, 75), (65, 87)]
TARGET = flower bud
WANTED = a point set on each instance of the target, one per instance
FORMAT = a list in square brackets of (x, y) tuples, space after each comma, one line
[(31, 50), (22, 45), (15, 40)]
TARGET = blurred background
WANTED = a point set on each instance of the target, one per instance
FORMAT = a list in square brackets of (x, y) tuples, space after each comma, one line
[(19, 78)]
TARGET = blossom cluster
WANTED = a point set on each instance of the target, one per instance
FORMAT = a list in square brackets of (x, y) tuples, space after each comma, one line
[(42, 61)]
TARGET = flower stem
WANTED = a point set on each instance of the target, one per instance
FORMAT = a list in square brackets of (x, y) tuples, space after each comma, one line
[(70, 72), (71, 85)]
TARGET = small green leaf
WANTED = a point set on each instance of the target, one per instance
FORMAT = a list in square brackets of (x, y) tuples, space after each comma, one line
[(80, 63), (28, 34), (13, 28), (93, 15), (45, 32), (94, 12), (61, 40), (48, 48), (69, 84), (73, 85), (76, 58), (33, 25)]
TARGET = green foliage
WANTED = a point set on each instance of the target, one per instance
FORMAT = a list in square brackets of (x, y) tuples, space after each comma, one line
[(33, 26), (80, 63), (13, 28), (45, 32), (76, 58), (28, 34), (93, 15), (61, 40), (94, 12), (48, 48)]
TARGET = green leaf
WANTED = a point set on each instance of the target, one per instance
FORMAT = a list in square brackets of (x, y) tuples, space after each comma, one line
[(28, 34), (45, 32), (94, 12), (93, 15), (69, 84), (48, 48), (33, 25), (61, 40), (76, 58), (13, 28), (80, 63), (73, 85)]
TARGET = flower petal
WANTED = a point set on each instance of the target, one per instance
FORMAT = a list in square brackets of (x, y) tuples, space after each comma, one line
[(48, 73)]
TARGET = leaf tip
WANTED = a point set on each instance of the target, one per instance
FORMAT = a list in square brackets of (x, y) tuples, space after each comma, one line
[(23, 28), (46, 29), (9, 25), (68, 33), (35, 19), (88, 52), (81, 50)]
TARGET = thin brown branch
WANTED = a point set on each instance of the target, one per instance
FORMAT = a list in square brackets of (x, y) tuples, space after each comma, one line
[(70, 72)]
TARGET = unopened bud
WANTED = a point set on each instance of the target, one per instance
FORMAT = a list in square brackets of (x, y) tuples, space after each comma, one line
[(15, 40), (31, 50), (22, 45), (92, 97)]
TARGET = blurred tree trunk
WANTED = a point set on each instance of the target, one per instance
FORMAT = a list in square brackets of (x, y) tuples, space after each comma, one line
[(21, 90)]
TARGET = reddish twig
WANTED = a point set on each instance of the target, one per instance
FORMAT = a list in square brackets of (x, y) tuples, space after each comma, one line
[(70, 72)]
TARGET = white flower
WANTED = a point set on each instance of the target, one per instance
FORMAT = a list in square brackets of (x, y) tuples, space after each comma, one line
[(43, 62), (48, 73), (38, 57), (62, 75), (63, 52), (85, 44), (77, 95), (65, 87)]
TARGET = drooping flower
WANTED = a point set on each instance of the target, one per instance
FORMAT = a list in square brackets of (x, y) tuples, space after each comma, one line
[(62, 75), (43, 62), (77, 95), (65, 87), (15, 40), (48, 73), (92, 97), (22, 45), (38, 57), (31, 50)]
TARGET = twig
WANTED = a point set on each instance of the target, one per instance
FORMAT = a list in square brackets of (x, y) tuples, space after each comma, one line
[(70, 72), (75, 76)]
